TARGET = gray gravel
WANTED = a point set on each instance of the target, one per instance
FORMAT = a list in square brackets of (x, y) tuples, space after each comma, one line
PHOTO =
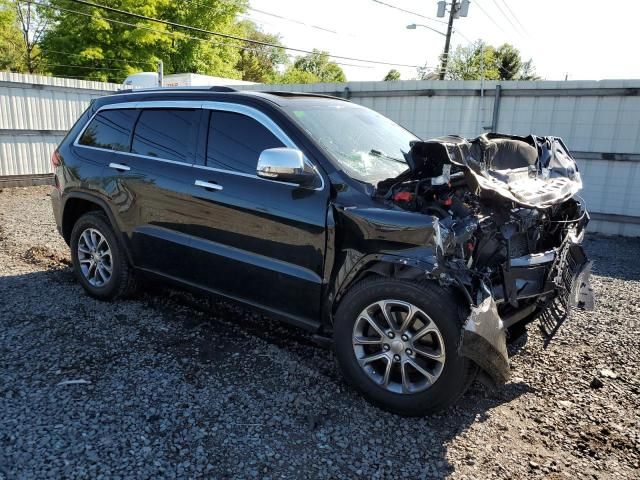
[(174, 385)]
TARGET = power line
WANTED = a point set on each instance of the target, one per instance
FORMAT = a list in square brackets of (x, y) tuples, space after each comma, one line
[(82, 66), (489, 16), (457, 30), (229, 36), (515, 29), (515, 17), (299, 22), (148, 62), (408, 11), (165, 32), (75, 77)]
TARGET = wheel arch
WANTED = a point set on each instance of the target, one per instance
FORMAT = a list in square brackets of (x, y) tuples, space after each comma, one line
[(392, 266), (77, 204)]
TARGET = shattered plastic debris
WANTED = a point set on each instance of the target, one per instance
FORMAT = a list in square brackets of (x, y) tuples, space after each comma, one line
[(484, 340), (74, 382)]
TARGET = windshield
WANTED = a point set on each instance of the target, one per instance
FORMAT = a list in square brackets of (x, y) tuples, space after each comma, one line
[(368, 146)]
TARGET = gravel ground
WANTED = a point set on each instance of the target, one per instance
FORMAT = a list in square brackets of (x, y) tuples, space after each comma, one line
[(173, 385)]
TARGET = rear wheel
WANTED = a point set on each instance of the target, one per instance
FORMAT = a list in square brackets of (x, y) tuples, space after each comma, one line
[(397, 342), (98, 258)]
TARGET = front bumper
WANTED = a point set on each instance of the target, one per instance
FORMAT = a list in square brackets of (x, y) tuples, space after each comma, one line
[(558, 280)]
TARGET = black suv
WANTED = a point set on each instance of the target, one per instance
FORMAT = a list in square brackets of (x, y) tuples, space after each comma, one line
[(419, 259)]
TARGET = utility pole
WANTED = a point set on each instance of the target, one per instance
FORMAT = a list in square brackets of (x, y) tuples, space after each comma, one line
[(160, 73), (447, 42), (457, 9)]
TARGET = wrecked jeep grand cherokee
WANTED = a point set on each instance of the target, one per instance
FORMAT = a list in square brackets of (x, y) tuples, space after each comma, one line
[(419, 259)]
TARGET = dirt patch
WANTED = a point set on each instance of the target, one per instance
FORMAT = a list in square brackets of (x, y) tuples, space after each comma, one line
[(46, 257)]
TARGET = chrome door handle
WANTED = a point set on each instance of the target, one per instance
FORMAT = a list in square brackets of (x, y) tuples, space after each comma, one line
[(120, 167), (209, 185)]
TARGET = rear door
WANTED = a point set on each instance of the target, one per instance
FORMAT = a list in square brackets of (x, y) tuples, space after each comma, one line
[(100, 144), (257, 240), (160, 184)]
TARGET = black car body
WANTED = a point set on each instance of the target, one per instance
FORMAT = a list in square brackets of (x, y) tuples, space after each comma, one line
[(493, 222)]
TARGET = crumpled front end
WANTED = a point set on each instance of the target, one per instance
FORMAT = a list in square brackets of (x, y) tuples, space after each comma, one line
[(510, 225)]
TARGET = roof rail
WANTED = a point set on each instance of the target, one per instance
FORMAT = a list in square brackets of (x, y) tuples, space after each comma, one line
[(280, 93), (215, 88), (222, 88)]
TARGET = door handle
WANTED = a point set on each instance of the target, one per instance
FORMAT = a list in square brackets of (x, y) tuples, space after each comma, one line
[(208, 185), (120, 167)]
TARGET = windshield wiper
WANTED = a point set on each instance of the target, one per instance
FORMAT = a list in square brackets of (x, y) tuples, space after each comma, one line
[(379, 154)]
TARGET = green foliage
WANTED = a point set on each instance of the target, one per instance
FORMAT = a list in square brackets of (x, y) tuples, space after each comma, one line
[(480, 60), (217, 56), (508, 61), (21, 28), (11, 51), (295, 75), (107, 51), (76, 40), (258, 63), (312, 68), (472, 62), (392, 75)]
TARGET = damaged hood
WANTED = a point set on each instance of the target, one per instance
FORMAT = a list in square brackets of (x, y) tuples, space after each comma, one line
[(532, 171)]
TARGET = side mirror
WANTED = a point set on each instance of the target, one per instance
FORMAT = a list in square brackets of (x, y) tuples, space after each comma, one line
[(284, 165)]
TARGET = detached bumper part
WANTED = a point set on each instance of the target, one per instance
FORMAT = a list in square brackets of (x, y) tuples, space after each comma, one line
[(484, 341), (574, 290)]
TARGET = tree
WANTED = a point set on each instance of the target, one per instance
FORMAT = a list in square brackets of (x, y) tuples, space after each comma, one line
[(480, 60), (259, 63), (427, 73), (10, 37), (294, 75), (508, 61), (32, 24), (528, 72), (94, 48), (312, 68), (213, 56), (392, 75), (475, 61)]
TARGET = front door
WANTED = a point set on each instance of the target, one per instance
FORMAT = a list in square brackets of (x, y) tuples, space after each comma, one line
[(259, 241)]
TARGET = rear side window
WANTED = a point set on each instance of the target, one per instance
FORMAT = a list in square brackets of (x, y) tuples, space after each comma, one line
[(167, 133), (110, 129), (236, 141)]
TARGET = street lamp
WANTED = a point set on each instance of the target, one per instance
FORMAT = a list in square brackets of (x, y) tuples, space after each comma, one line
[(413, 26)]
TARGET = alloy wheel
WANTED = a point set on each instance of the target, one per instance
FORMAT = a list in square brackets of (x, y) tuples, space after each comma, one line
[(398, 346), (94, 257)]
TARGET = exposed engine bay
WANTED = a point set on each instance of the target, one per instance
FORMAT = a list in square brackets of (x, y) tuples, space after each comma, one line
[(509, 227)]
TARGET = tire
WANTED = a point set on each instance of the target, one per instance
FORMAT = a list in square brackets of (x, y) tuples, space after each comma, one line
[(453, 373), (121, 280)]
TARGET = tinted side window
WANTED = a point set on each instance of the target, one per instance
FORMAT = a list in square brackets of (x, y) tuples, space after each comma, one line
[(167, 133), (236, 141), (110, 129)]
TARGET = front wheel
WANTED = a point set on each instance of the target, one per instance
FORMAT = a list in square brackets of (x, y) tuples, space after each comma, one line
[(397, 343)]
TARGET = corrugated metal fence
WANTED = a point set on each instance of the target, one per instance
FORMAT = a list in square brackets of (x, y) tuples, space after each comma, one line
[(599, 121), (35, 114)]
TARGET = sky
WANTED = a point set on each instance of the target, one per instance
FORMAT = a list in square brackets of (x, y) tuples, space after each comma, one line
[(576, 39)]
